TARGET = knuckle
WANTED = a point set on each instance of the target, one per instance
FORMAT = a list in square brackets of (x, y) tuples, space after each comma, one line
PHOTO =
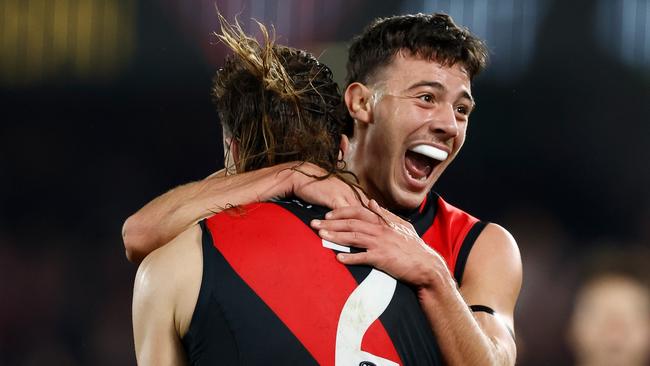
[(385, 230), (361, 257)]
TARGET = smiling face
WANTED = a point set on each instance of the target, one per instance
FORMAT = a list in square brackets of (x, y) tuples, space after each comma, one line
[(410, 124)]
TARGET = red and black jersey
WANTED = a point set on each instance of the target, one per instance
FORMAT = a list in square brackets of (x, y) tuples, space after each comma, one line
[(447, 229), (272, 294)]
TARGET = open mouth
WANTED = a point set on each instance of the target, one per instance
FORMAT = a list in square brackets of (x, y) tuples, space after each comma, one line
[(421, 159)]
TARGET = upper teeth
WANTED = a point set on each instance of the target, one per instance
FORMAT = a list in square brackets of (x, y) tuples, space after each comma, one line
[(430, 151)]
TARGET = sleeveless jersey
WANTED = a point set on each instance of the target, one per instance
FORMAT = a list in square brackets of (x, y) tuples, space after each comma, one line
[(272, 294)]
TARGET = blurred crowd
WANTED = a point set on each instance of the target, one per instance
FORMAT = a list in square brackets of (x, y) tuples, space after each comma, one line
[(581, 303)]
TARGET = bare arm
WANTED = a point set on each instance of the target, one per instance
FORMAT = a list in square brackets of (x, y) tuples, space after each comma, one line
[(492, 278), (164, 296), (156, 340), (162, 219)]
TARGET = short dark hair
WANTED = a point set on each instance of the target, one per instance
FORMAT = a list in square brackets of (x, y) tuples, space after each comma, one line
[(430, 36), (280, 103)]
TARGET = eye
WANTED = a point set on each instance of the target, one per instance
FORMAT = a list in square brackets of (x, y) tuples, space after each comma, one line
[(427, 98), (462, 109)]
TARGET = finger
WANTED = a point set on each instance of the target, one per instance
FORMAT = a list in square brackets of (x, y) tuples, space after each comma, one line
[(346, 225), (344, 200), (353, 212), (339, 202), (353, 196), (354, 258), (364, 198), (395, 221), (375, 208), (360, 197), (354, 239)]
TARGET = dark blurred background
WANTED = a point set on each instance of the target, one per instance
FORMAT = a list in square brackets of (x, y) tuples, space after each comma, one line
[(105, 104)]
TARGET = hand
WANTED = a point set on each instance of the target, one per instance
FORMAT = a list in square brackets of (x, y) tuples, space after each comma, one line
[(331, 192), (391, 243)]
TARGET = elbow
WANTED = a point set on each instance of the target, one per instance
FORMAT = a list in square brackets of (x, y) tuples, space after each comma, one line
[(133, 255), (132, 237), (503, 354)]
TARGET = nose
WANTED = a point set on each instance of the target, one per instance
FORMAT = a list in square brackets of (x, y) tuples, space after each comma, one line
[(444, 124)]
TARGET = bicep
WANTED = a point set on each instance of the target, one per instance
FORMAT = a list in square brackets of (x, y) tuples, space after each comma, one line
[(156, 339), (492, 278)]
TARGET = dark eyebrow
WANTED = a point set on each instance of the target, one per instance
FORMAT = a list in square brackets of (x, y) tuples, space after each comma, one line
[(432, 84), (439, 86)]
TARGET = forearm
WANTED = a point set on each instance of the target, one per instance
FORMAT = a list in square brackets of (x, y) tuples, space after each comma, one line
[(492, 277), (165, 217), (162, 219), (461, 339)]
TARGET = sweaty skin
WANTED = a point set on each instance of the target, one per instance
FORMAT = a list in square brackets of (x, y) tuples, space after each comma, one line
[(420, 102)]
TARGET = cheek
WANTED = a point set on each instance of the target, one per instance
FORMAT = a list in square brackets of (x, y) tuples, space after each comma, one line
[(387, 134), (383, 154), (460, 139)]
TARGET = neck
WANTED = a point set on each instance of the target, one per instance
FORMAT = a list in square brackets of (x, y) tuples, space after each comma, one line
[(355, 164)]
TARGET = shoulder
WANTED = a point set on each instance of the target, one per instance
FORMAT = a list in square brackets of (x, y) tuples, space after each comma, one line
[(497, 240), (495, 257), (273, 216), (169, 260), (170, 275)]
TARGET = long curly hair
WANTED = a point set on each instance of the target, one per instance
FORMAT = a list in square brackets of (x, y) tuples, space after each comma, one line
[(280, 104)]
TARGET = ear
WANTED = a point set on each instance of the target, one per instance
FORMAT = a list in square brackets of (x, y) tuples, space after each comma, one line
[(358, 99)]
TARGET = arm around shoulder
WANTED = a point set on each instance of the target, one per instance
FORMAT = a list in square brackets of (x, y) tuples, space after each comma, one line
[(162, 219), (168, 215)]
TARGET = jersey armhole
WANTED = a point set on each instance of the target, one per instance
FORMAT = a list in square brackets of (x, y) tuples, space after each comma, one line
[(203, 298), (465, 249)]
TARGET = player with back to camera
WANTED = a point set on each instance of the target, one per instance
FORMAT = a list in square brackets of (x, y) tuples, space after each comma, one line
[(254, 284)]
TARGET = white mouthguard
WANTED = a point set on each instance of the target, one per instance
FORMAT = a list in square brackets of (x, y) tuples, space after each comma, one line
[(430, 151)]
